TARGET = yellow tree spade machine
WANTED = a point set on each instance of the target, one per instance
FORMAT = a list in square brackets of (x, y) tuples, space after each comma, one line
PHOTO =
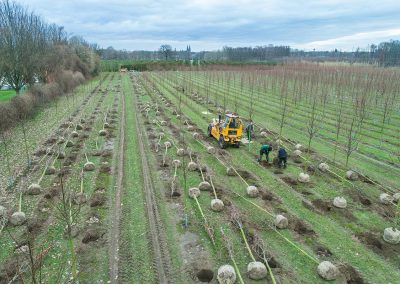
[(228, 131)]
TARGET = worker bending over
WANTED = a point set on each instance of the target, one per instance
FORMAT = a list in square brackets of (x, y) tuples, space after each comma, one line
[(282, 156), (265, 149)]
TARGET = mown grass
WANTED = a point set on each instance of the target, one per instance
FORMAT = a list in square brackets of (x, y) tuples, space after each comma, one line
[(6, 95)]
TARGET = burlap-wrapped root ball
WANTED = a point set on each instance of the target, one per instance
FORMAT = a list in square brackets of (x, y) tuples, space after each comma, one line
[(194, 192), (34, 189), (180, 152), (217, 205), (323, 167), (385, 198), (256, 270), (102, 132), (298, 147), (391, 236), (281, 222), (106, 125), (230, 171), (196, 135), (278, 142), (226, 274), (167, 144), (18, 219), (340, 202), (79, 198), (74, 134), (263, 134), (351, 175), (252, 191), (89, 166), (297, 153), (205, 185), (211, 150), (192, 166), (190, 128), (51, 170), (304, 178), (3, 211), (327, 270), (177, 163), (61, 140), (396, 197)]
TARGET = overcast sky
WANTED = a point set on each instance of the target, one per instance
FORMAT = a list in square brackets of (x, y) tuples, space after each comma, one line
[(211, 24)]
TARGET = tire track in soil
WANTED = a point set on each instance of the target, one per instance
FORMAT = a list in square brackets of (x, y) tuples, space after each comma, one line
[(162, 261), (116, 215)]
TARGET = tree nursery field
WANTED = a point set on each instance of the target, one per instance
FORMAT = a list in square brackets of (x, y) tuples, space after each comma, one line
[(120, 182)]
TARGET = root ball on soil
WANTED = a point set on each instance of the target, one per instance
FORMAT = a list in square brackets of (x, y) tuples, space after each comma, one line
[(192, 166), (79, 127), (263, 134), (297, 153), (327, 270), (226, 274), (190, 128), (196, 135), (391, 236), (74, 134), (61, 140), (298, 146), (217, 205), (323, 167), (34, 189), (194, 192), (385, 198), (281, 222), (163, 123), (340, 202), (177, 163), (304, 178), (230, 171), (350, 175), (278, 142), (211, 150), (79, 198), (3, 211), (89, 166), (102, 132), (51, 170), (396, 197), (256, 270), (167, 144), (180, 152), (61, 155), (204, 185), (252, 191), (106, 125), (18, 218)]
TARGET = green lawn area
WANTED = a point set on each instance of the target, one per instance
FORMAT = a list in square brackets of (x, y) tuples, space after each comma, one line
[(6, 95)]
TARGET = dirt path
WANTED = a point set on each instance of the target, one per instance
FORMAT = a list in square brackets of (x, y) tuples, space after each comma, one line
[(116, 214), (162, 261)]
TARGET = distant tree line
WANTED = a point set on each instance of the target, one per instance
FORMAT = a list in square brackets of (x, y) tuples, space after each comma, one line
[(40, 57), (383, 54)]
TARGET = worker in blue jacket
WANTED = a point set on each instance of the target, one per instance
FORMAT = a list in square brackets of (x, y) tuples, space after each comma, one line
[(282, 156)]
